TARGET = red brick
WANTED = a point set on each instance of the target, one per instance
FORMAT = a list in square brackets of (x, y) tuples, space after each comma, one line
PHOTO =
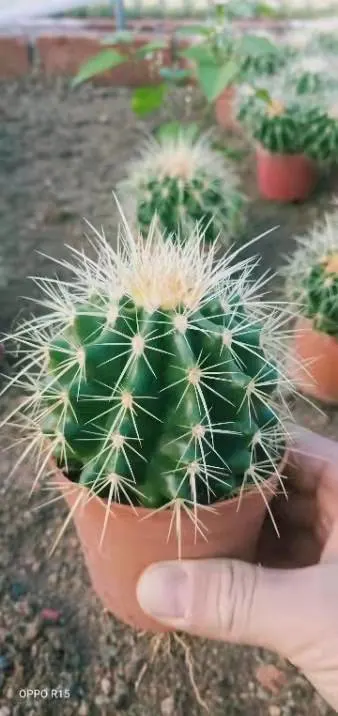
[(14, 57), (64, 54)]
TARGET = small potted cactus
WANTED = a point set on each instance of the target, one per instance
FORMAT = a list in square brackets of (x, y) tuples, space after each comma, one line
[(277, 121), (184, 180), (312, 290), (152, 393)]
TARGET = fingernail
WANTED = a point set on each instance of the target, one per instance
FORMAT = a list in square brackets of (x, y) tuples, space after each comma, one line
[(162, 591)]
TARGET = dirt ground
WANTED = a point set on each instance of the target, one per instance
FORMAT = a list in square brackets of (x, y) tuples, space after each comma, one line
[(61, 153)]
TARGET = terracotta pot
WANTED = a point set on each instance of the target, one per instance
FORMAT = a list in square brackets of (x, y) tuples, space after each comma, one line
[(317, 353), (224, 110), (285, 177), (131, 542)]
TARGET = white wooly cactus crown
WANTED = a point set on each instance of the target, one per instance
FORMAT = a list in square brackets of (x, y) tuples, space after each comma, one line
[(312, 276), (155, 377), (184, 181)]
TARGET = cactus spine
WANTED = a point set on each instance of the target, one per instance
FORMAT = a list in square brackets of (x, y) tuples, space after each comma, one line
[(312, 276), (184, 181), (153, 378)]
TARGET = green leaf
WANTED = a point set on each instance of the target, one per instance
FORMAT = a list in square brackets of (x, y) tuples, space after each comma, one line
[(193, 30), (265, 10), (151, 47), (254, 46), (263, 94), (191, 130), (105, 60), (174, 75), (199, 53), (214, 80), (124, 37), (171, 130), (148, 99)]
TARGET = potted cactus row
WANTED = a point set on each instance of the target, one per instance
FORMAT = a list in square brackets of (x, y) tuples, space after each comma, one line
[(312, 291), (152, 392), (184, 181)]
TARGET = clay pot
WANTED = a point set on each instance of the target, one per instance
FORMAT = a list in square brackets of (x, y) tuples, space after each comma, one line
[(285, 177), (317, 353), (131, 542), (224, 110)]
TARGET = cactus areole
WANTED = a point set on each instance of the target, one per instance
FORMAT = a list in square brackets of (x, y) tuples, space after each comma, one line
[(152, 378)]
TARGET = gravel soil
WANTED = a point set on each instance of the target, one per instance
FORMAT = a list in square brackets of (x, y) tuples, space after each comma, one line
[(61, 153)]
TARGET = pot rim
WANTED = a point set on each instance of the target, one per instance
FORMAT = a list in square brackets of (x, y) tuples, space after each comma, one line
[(260, 149), (311, 328), (139, 511)]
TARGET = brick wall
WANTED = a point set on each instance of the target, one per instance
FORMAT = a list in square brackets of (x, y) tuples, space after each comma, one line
[(59, 47)]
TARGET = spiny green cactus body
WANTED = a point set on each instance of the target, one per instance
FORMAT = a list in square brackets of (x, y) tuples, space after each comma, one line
[(177, 202), (278, 129), (155, 382), (185, 182), (311, 276), (321, 136), (266, 63), (309, 83), (150, 385), (296, 125), (319, 295)]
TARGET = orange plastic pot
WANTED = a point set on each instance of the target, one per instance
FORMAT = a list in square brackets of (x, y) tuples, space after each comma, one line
[(285, 177), (132, 542), (314, 362), (224, 110)]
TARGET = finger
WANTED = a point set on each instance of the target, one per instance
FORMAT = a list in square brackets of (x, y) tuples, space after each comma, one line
[(296, 547), (228, 600), (308, 456), (299, 509), (330, 551)]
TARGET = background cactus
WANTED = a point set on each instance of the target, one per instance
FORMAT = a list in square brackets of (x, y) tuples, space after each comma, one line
[(310, 74), (321, 135), (276, 125), (153, 378), (286, 118), (254, 66), (312, 276), (184, 181), (325, 43)]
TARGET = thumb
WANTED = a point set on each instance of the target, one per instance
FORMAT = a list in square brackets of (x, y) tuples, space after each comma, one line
[(233, 601)]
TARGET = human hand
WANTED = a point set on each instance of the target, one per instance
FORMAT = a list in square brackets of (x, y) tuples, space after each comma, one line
[(292, 609)]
